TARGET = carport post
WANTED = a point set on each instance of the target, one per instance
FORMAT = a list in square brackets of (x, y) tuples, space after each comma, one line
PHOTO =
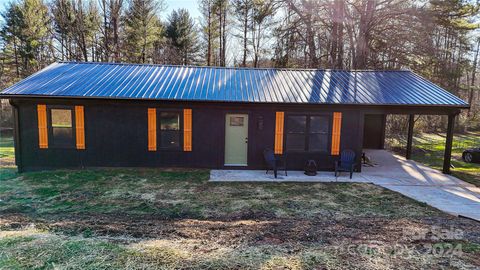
[(411, 122), (448, 144)]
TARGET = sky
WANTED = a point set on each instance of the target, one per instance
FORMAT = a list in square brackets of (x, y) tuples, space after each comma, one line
[(190, 5)]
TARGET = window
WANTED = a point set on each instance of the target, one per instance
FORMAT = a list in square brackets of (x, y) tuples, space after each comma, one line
[(307, 133), (170, 130), (236, 121), (62, 127), (296, 131), (318, 134)]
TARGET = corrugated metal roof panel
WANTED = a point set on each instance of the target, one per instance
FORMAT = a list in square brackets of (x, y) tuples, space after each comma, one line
[(119, 81)]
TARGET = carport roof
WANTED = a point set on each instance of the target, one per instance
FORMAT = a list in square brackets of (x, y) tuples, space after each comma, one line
[(219, 84)]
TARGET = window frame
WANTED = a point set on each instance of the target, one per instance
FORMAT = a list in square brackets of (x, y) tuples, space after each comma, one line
[(307, 132), (51, 140), (304, 133), (159, 129)]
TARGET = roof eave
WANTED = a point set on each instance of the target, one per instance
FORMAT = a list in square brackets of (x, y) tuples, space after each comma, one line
[(11, 96)]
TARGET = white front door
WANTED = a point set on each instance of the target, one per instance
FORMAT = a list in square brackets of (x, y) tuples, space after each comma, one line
[(236, 139)]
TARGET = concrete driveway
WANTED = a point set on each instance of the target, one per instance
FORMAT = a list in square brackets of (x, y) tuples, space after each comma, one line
[(393, 172), (424, 184)]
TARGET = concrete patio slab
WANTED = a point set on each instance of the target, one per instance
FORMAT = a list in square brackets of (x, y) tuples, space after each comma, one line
[(293, 176), (416, 181)]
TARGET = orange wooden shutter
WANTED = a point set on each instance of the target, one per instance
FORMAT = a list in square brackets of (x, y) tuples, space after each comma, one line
[(336, 131), (187, 130), (80, 127), (279, 123), (42, 126), (152, 129)]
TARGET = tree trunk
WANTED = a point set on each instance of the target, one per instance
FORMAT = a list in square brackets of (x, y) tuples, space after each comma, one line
[(224, 47), (245, 31), (115, 39), (362, 50), (209, 34), (220, 36), (312, 51), (256, 44), (306, 17), (15, 52), (472, 82), (106, 34), (341, 17), (116, 10)]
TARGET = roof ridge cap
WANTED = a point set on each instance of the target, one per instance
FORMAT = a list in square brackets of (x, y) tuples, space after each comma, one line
[(236, 68)]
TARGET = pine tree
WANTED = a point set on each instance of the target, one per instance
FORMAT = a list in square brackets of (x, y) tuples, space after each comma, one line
[(35, 35), (111, 16), (11, 34), (262, 15), (142, 29), (209, 29), (182, 33), (243, 15), (26, 35), (64, 20)]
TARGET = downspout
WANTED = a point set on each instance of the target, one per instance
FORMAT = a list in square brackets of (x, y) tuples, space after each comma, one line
[(16, 136)]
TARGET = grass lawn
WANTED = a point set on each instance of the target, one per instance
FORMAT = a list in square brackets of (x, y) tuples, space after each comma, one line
[(428, 149), (7, 151), (6, 147), (176, 219)]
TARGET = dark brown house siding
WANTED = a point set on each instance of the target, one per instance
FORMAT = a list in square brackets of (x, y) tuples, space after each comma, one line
[(116, 135)]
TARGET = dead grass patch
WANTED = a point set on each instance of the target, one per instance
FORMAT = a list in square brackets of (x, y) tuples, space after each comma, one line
[(156, 219)]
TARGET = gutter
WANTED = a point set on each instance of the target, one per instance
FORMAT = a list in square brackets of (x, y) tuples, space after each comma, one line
[(98, 98)]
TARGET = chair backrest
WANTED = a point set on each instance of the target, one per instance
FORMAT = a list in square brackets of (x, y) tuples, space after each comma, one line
[(269, 156), (347, 157)]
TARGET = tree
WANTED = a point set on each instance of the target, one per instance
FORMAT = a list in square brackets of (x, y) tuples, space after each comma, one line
[(473, 77), (35, 34), (221, 8), (262, 14), (450, 25), (112, 11), (336, 37), (142, 29), (11, 34), (305, 10), (182, 33), (64, 21), (209, 28), (243, 15), (26, 30), (77, 26)]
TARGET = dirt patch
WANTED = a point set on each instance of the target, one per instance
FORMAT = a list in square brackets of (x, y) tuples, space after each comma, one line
[(7, 161), (238, 231), (343, 242)]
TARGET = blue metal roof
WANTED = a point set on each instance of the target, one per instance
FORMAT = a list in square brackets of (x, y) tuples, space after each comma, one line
[(188, 83)]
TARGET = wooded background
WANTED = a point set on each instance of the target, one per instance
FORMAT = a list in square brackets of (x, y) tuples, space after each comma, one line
[(440, 40)]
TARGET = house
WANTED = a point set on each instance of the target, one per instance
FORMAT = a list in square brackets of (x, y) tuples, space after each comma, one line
[(75, 115)]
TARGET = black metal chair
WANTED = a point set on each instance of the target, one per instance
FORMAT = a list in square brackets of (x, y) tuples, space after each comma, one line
[(346, 162), (275, 162)]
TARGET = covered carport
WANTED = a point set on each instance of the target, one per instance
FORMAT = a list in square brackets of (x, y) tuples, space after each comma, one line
[(375, 125)]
